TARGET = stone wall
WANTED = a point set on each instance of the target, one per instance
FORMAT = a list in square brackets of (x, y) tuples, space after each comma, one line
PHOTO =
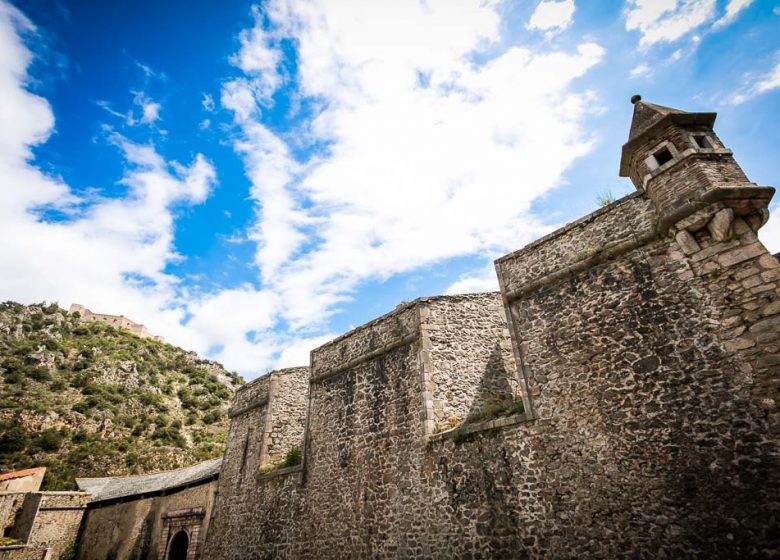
[(267, 421), (42, 521), (651, 379), (375, 396), (139, 528), (655, 370)]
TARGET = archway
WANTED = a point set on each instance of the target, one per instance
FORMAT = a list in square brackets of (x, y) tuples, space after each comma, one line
[(179, 545)]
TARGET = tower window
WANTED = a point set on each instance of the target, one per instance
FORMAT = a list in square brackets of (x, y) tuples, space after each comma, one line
[(662, 156), (702, 142)]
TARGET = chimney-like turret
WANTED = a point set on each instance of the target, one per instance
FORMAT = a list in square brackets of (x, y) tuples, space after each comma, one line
[(676, 157)]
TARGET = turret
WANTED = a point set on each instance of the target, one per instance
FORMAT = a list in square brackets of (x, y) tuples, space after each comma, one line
[(675, 156)]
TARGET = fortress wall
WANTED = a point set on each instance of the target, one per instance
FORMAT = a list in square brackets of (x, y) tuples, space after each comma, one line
[(648, 368), (364, 442), (266, 420), (369, 486), (242, 458), (654, 440), (583, 242)]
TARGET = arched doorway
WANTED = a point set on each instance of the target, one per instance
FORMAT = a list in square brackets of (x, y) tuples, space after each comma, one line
[(179, 545)]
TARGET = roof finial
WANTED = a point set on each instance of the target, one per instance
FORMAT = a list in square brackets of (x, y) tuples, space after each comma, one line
[(635, 98)]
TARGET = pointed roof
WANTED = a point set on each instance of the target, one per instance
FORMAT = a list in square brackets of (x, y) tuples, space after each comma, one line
[(647, 116)]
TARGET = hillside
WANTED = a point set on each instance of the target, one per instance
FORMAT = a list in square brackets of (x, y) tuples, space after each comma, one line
[(87, 399)]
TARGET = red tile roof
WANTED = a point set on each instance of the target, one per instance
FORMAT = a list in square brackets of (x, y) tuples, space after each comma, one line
[(20, 474)]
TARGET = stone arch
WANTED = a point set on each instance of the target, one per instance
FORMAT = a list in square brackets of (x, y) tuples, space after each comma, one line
[(178, 547)]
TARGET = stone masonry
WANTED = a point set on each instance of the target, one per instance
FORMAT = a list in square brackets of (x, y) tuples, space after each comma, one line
[(618, 398)]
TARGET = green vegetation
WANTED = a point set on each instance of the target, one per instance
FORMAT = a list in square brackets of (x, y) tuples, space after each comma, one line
[(292, 458), (605, 198), (87, 399)]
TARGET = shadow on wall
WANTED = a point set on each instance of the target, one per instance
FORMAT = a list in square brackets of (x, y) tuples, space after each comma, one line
[(495, 387)]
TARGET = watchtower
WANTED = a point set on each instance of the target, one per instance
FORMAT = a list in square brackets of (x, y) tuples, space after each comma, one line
[(678, 160)]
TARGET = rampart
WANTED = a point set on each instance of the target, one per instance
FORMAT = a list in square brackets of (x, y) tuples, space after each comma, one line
[(618, 398)]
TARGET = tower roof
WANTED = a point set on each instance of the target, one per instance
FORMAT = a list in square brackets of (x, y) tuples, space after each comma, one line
[(648, 116)]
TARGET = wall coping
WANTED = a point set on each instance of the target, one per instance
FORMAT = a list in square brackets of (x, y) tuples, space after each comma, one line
[(570, 226), (257, 403), (495, 423), (280, 472), (267, 375)]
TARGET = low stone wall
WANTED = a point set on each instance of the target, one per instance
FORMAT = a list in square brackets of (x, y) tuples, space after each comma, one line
[(41, 521)]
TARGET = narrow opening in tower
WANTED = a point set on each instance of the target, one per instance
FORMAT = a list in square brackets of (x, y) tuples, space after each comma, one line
[(662, 156), (702, 141)]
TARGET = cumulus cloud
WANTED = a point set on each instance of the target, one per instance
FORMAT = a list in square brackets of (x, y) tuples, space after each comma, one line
[(421, 143), (660, 21), (416, 155), (552, 15), (110, 254), (484, 280)]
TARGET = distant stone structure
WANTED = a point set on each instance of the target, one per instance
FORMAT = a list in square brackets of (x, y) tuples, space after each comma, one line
[(162, 515), (43, 525), (119, 321), (617, 399)]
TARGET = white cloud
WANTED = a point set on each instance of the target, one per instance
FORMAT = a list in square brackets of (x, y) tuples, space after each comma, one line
[(414, 167), (667, 21), (733, 8), (484, 280), (770, 233), (552, 15), (640, 70), (758, 85), (150, 112)]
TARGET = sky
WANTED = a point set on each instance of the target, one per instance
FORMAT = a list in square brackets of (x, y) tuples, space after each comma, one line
[(252, 180)]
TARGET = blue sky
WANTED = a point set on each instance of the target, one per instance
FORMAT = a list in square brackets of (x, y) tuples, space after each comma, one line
[(250, 180)]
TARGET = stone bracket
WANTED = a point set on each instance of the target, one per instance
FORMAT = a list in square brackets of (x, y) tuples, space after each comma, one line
[(743, 200)]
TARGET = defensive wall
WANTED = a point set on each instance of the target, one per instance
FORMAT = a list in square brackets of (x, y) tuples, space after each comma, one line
[(618, 398)]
